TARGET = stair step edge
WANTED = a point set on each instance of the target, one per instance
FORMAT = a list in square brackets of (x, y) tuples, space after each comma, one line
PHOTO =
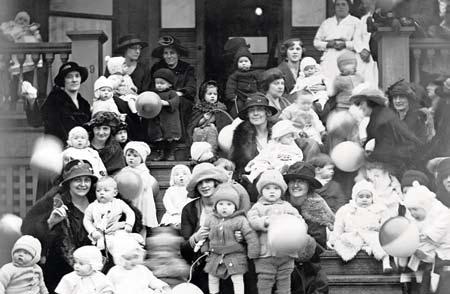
[(363, 279)]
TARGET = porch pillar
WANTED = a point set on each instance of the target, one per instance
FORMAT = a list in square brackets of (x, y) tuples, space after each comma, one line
[(393, 55), (87, 50)]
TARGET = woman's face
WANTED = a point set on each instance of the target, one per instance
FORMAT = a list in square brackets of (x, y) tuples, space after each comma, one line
[(206, 187), (446, 183), (170, 56), (80, 186), (276, 88), (365, 108), (102, 133), (400, 103), (294, 53), (72, 81), (298, 188), (257, 115), (133, 52), (341, 8)]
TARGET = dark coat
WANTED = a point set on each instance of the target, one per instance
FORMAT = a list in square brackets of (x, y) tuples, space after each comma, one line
[(333, 194), (289, 79), (200, 108), (167, 124), (439, 146), (60, 115), (240, 84), (415, 120), (141, 76), (112, 156), (136, 125)]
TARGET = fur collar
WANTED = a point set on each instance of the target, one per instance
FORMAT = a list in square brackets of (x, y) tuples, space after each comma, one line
[(204, 106), (315, 209)]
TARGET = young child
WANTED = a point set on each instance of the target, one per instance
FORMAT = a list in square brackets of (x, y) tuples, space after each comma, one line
[(312, 80), (101, 215), (87, 276), (175, 197), (271, 269), (346, 81), (135, 155), (23, 275), (304, 118), (165, 129), (331, 190), (129, 275), (280, 152), (103, 97), (123, 85), (357, 224), (242, 82), (78, 148), (209, 115), (121, 135), (228, 257)]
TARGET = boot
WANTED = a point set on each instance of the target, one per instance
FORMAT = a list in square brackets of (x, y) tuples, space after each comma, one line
[(159, 152), (170, 151)]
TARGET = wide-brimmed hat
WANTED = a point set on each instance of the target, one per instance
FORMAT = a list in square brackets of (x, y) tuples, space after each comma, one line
[(256, 99), (77, 168), (303, 171), (104, 118), (206, 171), (129, 40), (169, 41), (370, 93), (69, 67)]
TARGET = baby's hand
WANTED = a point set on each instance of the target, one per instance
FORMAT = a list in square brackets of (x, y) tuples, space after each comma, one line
[(207, 115), (96, 235), (165, 103)]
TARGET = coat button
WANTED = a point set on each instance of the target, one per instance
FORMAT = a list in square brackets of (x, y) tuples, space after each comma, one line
[(230, 264)]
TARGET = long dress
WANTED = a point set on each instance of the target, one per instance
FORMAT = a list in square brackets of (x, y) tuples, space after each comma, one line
[(369, 70)]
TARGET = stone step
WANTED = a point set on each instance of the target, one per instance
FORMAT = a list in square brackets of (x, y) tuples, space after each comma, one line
[(362, 264), (364, 284)]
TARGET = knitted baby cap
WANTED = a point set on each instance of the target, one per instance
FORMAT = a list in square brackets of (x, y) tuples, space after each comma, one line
[(271, 177), (31, 245), (115, 64), (165, 74), (243, 52), (307, 61), (226, 191), (346, 57), (102, 82), (419, 196), (283, 127), (90, 254), (140, 147), (126, 244), (363, 185)]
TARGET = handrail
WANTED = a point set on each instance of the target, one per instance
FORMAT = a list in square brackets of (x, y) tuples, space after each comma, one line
[(34, 48)]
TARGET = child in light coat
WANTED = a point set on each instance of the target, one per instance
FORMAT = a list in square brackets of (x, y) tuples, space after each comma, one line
[(175, 197), (23, 274), (87, 276), (357, 225), (103, 97)]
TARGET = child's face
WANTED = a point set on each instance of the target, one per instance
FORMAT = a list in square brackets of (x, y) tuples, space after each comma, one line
[(287, 139), (105, 191), (121, 136), (130, 260), (105, 93), (244, 63), (271, 192), (364, 199), (309, 70), (82, 267), (161, 84), (418, 213), (22, 20), (122, 89), (225, 208), (22, 257), (79, 140), (304, 102), (211, 95), (326, 172), (377, 176), (180, 178), (133, 158), (446, 183), (348, 68)]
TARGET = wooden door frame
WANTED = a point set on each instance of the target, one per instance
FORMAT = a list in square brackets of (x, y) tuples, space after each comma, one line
[(200, 40)]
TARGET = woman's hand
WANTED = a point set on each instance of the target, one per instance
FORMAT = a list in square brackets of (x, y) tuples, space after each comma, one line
[(331, 44), (238, 236), (201, 234), (316, 88), (57, 216), (164, 103), (339, 45), (96, 235)]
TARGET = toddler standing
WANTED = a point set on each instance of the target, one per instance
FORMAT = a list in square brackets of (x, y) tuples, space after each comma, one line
[(357, 225), (87, 276), (270, 268), (165, 129), (103, 97), (176, 197), (242, 82), (23, 275), (78, 148)]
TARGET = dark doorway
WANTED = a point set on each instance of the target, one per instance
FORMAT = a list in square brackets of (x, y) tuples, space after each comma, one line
[(238, 18)]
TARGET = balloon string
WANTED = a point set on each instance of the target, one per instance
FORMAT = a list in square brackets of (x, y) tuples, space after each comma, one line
[(193, 264)]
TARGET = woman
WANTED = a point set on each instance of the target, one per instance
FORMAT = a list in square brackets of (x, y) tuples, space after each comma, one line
[(64, 107), (102, 128), (334, 35), (272, 84), (169, 52), (309, 277), (205, 178), (291, 52), (395, 144)]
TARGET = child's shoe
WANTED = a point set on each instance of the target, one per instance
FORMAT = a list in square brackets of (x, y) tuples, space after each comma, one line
[(387, 269)]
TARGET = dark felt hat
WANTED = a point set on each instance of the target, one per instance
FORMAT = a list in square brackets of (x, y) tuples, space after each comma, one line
[(414, 175), (166, 74), (104, 118), (256, 99), (166, 42), (69, 67), (129, 40), (304, 171), (77, 168)]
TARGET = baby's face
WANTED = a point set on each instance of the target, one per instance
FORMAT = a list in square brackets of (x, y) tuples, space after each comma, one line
[(287, 139), (105, 191), (82, 267), (121, 136), (305, 102), (132, 158), (180, 178), (130, 260), (211, 95), (364, 199), (225, 208), (244, 63), (418, 213), (22, 21), (22, 257), (105, 93), (271, 192), (79, 141), (161, 84), (309, 70), (348, 68)]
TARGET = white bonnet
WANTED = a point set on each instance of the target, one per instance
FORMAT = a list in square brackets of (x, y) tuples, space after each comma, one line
[(177, 168), (307, 61), (419, 196), (362, 185), (140, 147)]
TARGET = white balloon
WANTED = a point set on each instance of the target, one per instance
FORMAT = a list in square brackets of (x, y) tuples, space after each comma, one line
[(348, 156), (186, 288), (287, 234), (47, 154)]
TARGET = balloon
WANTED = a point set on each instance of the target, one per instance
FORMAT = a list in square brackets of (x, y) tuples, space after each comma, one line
[(129, 184), (47, 154), (348, 156), (341, 122), (186, 288), (148, 104), (399, 237), (287, 234), (10, 231), (225, 138)]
